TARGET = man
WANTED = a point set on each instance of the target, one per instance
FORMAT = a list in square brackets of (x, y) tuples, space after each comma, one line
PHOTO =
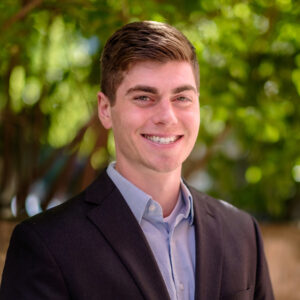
[(140, 232)]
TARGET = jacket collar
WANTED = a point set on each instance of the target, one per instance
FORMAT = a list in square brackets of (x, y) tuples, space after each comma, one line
[(114, 219), (209, 254)]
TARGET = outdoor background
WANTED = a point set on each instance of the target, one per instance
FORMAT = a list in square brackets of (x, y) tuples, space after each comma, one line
[(52, 144)]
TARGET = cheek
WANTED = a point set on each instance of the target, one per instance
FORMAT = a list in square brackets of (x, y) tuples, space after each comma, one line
[(192, 120), (126, 122), (135, 119)]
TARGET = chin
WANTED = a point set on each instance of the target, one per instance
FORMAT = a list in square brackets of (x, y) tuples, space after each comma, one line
[(166, 167)]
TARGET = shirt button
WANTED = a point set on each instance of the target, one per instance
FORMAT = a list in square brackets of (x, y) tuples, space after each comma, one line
[(181, 286), (152, 207)]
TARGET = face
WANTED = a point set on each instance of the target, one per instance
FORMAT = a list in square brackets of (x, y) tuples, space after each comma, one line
[(155, 118)]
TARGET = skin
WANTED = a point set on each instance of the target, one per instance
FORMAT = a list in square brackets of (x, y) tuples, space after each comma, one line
[(155, 121)]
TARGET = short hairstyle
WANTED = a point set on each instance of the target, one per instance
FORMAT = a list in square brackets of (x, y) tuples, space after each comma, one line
[(142, 41)]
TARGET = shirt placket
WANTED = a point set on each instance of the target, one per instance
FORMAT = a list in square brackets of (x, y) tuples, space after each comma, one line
[(173, 255)]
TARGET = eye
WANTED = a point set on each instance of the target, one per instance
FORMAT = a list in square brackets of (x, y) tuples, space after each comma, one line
[(142, 98), (183, 99)]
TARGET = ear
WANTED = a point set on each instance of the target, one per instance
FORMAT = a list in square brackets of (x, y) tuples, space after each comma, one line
[(104, 110)]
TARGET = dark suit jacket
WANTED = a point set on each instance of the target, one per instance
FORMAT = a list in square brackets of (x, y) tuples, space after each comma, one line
[(91, 247)]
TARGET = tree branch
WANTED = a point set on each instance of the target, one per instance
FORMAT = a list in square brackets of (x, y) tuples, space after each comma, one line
[(21, 13)]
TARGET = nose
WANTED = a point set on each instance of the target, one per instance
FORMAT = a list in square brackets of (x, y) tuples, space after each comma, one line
[(164, 113)]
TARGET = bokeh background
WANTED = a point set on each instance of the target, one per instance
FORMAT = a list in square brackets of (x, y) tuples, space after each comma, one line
[(52, 144)]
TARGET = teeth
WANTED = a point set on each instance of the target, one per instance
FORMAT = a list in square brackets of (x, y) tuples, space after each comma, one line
[(161, 140)]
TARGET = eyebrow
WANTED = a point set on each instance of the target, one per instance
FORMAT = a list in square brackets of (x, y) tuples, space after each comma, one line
[(153, 90), (142, 88), (186, 87)]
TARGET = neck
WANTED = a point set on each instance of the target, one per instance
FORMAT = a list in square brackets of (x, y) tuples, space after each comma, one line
[(163, 187)]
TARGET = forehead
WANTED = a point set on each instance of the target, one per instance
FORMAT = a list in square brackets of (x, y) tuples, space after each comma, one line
[(163, 76)]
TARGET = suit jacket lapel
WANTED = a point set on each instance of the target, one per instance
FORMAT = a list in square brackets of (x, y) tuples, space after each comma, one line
[(208, 249), (116, 222)]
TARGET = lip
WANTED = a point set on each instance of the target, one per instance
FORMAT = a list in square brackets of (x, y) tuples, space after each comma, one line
[(177, 138)]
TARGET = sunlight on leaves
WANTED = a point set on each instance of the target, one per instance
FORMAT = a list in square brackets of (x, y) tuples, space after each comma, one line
[(32, 91), (16, 86), (253, 174)]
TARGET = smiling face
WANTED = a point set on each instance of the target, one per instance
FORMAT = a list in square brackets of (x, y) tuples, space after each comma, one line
[(155, 118)]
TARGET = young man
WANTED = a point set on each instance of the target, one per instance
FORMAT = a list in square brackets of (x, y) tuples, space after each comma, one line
[(139, 232)]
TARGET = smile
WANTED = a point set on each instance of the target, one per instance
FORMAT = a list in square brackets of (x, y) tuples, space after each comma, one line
[(162, 140)]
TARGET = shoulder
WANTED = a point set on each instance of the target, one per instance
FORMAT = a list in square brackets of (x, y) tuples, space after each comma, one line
[(71, 216), (214, 205), (231, 219), (76, 207), (237, 231), (53, 226)]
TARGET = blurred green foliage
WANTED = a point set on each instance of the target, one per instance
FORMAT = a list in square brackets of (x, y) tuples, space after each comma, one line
[(248, 147)]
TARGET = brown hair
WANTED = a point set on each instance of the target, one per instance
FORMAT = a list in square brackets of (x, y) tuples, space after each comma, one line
[(142, 41)]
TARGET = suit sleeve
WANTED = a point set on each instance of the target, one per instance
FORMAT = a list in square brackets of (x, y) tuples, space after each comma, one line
[(263, 286), (30, 271)]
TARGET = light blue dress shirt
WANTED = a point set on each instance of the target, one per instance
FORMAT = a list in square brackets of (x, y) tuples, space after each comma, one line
[(172, 239)]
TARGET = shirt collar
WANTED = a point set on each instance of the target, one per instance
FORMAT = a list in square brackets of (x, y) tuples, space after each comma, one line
[(138, 201), (188, 210)]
